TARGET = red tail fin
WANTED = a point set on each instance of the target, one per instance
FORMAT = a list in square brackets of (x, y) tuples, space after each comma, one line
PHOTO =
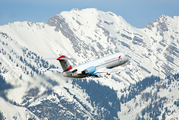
[(64, 63)]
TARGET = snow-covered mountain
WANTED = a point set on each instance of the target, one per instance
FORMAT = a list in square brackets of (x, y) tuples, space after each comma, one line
[(86, 35)]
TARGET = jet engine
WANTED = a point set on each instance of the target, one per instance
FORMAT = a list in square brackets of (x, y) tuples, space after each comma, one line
[(89, 70)]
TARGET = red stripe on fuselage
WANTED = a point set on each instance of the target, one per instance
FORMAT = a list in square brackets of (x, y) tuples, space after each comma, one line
[(111, 59)]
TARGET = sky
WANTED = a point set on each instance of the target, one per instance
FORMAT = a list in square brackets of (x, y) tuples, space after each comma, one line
[(138, 13)]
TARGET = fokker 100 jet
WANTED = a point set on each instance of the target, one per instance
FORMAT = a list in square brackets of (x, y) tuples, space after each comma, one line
[(93, 68)]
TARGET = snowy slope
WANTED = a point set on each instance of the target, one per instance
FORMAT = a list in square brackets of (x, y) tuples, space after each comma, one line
[(38, 33), (14, 112), (156, 101), (86, 35)]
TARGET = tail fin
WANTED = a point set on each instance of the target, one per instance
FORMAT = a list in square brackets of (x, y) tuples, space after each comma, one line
[(64, 63)]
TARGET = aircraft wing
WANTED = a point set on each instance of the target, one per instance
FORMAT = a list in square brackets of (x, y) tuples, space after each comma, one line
[(109, 71), (51, 69)]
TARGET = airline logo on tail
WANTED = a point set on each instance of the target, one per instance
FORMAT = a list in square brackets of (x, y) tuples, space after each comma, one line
[(64, 63)]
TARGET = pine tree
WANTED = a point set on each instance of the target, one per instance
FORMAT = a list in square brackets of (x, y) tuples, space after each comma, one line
[(2, 116)]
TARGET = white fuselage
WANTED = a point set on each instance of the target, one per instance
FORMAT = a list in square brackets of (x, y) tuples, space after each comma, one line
[(107, 62)]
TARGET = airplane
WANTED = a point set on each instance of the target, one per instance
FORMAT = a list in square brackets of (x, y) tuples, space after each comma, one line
[(93, 68)]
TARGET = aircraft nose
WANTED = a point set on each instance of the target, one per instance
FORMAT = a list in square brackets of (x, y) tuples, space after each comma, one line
[(126, 59)]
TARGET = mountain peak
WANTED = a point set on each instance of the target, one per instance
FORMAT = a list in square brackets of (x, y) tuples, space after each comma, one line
[(75, 9), (90, 16), (163, 18), (164, 22)]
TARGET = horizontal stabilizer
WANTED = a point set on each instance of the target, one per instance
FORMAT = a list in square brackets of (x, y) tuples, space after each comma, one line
[(51, 69)]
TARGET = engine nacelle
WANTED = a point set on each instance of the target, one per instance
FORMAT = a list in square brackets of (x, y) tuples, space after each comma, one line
[(89, 70)]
